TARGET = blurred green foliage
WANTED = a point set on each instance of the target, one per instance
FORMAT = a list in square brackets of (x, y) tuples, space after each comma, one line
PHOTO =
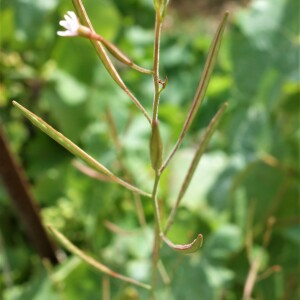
[(249, 173)]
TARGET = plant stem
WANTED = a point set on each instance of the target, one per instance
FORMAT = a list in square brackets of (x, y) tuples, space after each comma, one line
[(157, 222), (106, 288), (251, 278), (155, 202), (158, 24), (157, 234)]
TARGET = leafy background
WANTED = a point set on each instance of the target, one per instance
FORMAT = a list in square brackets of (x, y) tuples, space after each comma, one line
[(248, 174)]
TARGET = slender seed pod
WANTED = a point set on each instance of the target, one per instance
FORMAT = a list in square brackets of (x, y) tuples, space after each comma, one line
[(156, 147)]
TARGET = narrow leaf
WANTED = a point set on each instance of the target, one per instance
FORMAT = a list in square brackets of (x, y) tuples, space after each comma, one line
[(192, 247), (199, 151), (202, 87), (74, 149), (91, 261)]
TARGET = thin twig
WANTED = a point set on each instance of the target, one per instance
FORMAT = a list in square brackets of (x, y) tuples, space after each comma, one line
[(90, 172), (105, 288), (256, 262), (118, 230), (251, 278), (163, 272)]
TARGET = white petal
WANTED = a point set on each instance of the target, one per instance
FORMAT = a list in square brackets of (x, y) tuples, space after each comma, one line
[(73, 27), (63, 23), (72, 15), (73, 24), (66, 33), (70, 23), (68, 19), (62, 33)]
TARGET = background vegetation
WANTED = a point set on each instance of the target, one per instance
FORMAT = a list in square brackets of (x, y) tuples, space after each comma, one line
[(247, 184)]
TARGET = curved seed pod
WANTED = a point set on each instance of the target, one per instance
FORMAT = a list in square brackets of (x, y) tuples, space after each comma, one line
[(156, 147), (185, 248)]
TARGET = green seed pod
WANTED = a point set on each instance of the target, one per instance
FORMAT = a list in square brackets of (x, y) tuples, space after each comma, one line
[(156, 147)]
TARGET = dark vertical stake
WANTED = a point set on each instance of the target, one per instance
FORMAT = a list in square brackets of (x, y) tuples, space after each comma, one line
[(14, 179)]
